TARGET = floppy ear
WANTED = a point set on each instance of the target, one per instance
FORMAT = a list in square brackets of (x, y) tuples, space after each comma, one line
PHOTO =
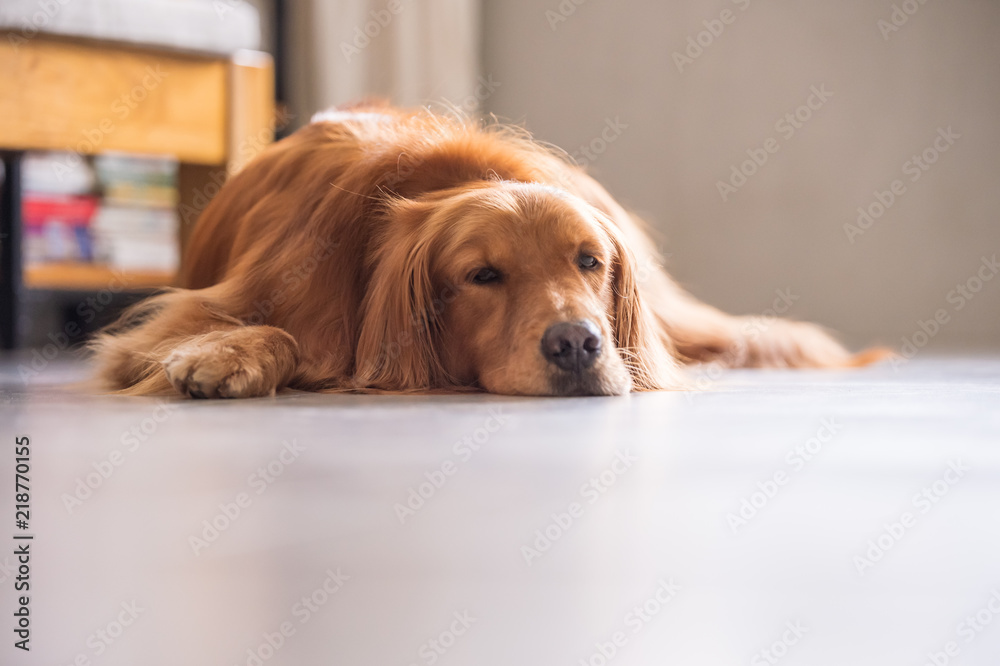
[(637, 336), (397, 348)]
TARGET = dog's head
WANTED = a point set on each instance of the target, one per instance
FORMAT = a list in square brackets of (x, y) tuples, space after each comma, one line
[(516, 288)]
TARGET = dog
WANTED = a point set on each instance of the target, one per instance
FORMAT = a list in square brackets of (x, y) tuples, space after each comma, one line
[(388, 250)]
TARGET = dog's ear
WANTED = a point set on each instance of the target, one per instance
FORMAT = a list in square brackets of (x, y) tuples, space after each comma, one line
[(397, 344), (637, 335)]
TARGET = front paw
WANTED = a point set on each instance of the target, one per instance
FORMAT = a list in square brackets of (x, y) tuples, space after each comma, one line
[(222, 365)]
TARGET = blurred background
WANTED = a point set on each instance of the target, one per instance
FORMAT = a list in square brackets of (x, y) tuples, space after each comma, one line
[(829, 161)]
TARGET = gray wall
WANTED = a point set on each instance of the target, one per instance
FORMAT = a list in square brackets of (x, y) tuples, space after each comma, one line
[(682, 132)]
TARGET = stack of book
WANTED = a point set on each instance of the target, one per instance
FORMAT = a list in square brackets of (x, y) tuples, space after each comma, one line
[(58, 207), (119, 211), (136, 225)]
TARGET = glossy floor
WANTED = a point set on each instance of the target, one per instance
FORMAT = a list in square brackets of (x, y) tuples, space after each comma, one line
[(793, 517)]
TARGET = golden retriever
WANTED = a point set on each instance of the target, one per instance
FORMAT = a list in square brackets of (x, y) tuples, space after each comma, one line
[(379, 249)]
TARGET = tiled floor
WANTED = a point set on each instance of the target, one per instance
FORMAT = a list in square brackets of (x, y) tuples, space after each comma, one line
[(825, 518)]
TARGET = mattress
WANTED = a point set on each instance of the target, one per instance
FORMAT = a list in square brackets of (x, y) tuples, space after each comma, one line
[(210, 26)]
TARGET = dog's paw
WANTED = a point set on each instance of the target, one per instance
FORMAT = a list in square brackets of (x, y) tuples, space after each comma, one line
[(226, 364)]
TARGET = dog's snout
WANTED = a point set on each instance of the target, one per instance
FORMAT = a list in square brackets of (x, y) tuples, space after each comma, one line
[(572, 346)]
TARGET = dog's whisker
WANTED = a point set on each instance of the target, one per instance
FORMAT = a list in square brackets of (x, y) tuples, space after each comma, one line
[(357, 194)]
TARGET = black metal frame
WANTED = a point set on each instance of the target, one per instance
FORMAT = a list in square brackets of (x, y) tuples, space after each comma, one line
[(280, 56), (10, 251)]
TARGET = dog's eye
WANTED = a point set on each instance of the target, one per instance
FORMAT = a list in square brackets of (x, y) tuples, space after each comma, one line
[(484, 276), (587, 262)]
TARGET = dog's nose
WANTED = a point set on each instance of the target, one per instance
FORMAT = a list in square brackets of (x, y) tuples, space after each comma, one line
[(572, 346)]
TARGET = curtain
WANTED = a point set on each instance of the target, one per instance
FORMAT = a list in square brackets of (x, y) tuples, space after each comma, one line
[(410, 52)]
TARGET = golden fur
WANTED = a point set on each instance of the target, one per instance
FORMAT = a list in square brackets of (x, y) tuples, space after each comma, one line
[(340, 259)]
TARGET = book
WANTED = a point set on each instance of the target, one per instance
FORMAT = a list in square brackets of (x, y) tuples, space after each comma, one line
[(136, 237), (57, 227)]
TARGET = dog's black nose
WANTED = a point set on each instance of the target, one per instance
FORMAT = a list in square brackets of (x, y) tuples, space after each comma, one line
[(573, 346)]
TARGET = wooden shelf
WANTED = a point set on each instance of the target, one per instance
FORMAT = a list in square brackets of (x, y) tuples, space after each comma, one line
[(87, 277), (91, 97)]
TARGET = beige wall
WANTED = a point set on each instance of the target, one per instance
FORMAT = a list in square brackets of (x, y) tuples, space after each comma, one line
[(682, 131)]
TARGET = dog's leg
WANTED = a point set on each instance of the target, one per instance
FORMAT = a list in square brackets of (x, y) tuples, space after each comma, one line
[(182, 341), (701, 333), (698, 332)]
